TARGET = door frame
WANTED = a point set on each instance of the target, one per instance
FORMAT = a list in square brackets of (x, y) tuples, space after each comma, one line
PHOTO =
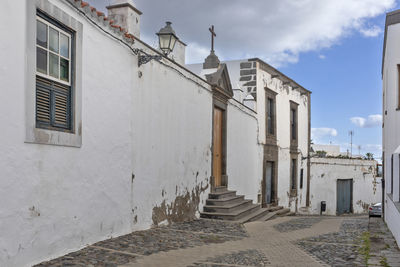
[(222, 104), (351, 195)]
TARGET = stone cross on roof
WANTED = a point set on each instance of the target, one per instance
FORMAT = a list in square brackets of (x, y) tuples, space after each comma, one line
[(212, 61), (213, 34)]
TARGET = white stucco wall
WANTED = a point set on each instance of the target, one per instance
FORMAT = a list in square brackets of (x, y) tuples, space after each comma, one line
[(244, 153), (57, 199), (391, 129), (367, 188), (146, 145)]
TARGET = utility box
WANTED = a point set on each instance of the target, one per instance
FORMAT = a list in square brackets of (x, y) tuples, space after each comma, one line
[(323, 206)]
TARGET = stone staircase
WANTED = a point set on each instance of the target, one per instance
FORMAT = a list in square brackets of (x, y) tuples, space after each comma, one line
[(223, 204)]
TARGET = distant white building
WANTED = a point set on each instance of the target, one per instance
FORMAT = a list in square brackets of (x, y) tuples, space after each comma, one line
[(391, 122), (346, 185), (331, 150)]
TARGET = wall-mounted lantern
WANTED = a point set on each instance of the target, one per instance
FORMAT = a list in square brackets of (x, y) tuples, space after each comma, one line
[(167, 39)]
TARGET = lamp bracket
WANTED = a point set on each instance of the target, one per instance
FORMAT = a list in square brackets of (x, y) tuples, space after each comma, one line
[(145, 58)]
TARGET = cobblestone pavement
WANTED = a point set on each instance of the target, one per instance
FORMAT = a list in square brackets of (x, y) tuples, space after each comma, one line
[(285, 241), (297, 224), (384, 250), (339, 248)]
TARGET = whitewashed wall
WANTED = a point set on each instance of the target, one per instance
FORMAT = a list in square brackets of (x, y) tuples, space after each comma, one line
[(146, 145), (391, 129), (57, 199), (367, 188), (244, 153), (283, 98)]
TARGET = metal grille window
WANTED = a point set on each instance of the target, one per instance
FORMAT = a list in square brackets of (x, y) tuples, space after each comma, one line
[(53, 75)]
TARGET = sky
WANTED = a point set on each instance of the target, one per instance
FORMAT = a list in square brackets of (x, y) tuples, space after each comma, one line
[(332, 47)]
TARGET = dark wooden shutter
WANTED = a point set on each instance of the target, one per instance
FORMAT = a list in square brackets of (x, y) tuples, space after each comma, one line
[(43, 100), (53, 105), (61, 104)]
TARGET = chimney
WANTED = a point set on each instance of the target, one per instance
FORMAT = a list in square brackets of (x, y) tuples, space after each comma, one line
[(178, 54), (126, 15)]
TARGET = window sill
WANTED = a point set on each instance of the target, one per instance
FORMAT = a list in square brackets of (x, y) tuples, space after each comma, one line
[(57, 138)]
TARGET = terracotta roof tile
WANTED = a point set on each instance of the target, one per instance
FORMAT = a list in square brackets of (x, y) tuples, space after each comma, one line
[(83, 4), (87, 8)]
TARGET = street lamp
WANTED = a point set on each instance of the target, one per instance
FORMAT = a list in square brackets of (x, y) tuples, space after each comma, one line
[(167, 38)]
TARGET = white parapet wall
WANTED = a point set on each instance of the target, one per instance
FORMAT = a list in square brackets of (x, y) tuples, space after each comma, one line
[(325, 173)]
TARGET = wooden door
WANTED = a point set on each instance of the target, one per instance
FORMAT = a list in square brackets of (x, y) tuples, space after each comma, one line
[(217, 146), (344, 196)]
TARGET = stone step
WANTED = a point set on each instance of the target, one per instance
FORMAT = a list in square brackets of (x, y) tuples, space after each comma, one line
[(221, 195), (254, 216), (283, 212), (228, 208), (224, 201), (269, 216), (221, 189), (274, 208), (234, 216)]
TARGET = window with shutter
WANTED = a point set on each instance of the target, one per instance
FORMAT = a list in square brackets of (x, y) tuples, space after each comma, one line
[(53, 75)]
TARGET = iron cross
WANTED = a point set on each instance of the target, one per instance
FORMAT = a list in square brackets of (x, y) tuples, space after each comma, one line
[(213, 34)]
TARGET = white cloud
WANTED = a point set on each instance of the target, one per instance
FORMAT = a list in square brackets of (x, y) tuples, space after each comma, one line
[(317, 134), (370, 122), (277, 31), (322, 56), (371, 32), (196, 53)]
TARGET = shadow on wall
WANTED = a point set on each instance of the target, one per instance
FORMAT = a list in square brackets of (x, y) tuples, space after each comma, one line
[(183, 208)]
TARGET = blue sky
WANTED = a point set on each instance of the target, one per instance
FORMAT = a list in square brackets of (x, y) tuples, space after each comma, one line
[(346, 82), (331, 47)]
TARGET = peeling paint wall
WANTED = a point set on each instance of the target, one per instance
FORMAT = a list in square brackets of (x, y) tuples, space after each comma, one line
[(324, 175)]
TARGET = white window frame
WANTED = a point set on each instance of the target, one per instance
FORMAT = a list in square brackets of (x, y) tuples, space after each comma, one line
[(65, 17), (47, 76)]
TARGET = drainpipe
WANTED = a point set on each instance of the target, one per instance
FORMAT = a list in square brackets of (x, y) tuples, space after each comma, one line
[(308, 152)]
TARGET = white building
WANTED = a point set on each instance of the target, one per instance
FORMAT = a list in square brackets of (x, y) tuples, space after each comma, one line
[(346, 185), (283, 115), (391, 122)]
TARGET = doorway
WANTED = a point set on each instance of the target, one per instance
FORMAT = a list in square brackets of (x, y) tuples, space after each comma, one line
[(218, 147), (269, 182), (344, 196)]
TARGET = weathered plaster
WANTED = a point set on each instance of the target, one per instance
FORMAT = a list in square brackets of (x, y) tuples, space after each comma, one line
[(324, 175), (185, 207)]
